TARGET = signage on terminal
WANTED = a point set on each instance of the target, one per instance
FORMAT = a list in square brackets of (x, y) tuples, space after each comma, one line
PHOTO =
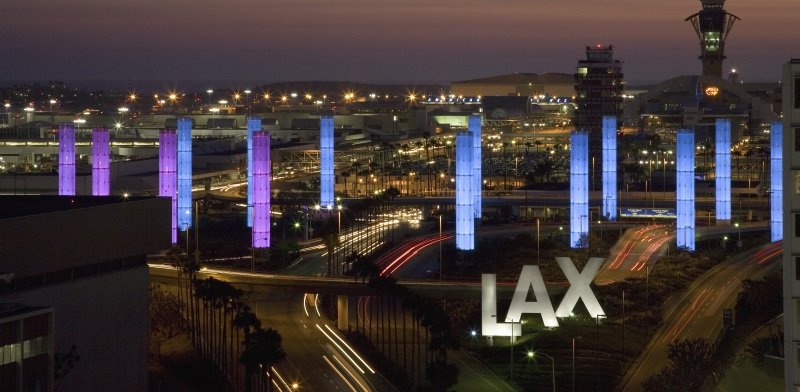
[(663, 213), (531, 277)]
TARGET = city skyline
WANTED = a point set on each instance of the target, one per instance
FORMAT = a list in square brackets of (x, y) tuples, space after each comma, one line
[(176, 41)]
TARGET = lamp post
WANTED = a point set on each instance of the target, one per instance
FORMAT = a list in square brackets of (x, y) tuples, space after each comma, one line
[(537, 241), (573, 360), (739, 233), (511, 343), (441, 262), (532, 354)]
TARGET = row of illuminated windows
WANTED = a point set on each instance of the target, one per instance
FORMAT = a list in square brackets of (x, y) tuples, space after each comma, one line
[(30, 348)]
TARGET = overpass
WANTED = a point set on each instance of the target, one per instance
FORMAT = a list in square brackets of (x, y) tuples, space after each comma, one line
[(259, 282)]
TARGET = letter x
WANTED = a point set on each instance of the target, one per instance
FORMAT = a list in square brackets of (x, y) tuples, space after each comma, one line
[(579, 287)]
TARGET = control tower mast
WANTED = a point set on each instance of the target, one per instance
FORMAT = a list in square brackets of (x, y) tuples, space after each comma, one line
[(712, 25)]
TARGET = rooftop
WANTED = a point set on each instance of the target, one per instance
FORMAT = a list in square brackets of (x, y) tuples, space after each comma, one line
[(17, 206)]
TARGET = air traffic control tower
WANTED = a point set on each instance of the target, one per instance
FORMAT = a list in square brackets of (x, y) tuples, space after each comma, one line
[(712, 25)]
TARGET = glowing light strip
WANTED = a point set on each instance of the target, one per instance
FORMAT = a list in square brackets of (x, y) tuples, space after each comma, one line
[(474, 126), (184, 173), (326, 162), (101, 153), (465, 211), (261, 190), (253, 125), (168, 174), (609, 168), (685, 189), (66, 159), (579, 189), (776, 182), (723, 168)]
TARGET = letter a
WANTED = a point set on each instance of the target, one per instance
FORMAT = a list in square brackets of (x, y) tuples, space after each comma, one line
[(531, 276)]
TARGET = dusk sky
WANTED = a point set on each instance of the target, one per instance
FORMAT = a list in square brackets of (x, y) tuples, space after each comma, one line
[(407, 41)]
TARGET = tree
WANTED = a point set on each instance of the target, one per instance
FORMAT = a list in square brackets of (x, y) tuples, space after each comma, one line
[(166, 320), (689, 365), (63, 365), (330, 237), (441, 375), (345, 174), (262, 350)]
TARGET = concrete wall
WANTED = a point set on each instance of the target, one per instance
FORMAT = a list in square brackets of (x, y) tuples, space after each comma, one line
[(59, 240), (106, 317)]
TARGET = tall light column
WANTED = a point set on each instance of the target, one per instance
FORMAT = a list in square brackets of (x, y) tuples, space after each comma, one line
[(168, 173), (184, 173), (610, 168), (253, 125), (326, 162), (66, 159), (776, 182), (474, 124), (101, 154), (465, 210), (261, 190), (579, 188), (684, 189), (723, 169)]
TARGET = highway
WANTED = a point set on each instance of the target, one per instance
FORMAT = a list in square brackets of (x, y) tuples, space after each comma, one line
[(635, 253), (697, 313), (318, 357)]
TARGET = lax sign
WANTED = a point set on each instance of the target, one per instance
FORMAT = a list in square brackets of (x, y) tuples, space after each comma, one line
[(491, 323)]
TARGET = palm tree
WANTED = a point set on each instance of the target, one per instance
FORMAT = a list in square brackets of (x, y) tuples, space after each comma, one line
[(262, 350), (345, 175), (330, 237), (356, 166)]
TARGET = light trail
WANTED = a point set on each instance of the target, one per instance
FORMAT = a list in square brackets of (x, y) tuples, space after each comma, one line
[(275, 371), (408, 252), (339, 373), (686, 316), (347, 369), (645, 256), (340, 349), (350, 348)]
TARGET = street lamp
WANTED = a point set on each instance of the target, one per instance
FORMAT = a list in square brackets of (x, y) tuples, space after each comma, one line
[(739, 233), (441, 262), (209, 92), (532, 354), (537, 241), (573, 360)]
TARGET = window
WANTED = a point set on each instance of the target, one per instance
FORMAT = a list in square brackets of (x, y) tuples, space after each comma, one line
[(8, 353), (34, 347), (797, 139), (797, 92), (797, 225), (797, 276), (796, 182)]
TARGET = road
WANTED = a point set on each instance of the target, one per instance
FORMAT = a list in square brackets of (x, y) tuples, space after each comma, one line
[(635, 253), (314, 256), (697, 313), (318, 357), (640, 248)]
